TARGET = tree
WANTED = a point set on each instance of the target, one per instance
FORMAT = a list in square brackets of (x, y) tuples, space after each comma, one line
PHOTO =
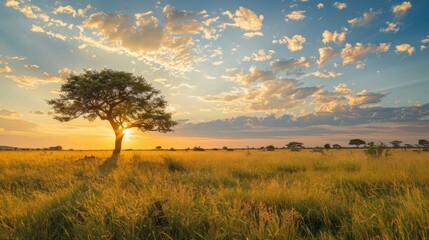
[(327, 146), (125, 100), (295, 145), (423, 142), (158, 147), (357, 142), (396, 143), (336, 146), (270, 148)]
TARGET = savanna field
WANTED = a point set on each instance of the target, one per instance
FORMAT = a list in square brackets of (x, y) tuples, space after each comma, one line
[(337, 194)]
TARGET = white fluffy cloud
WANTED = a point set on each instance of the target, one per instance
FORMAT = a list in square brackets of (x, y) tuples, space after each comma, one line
[(31, 81), (335, 37), (390, 28), (284, 65), (260, 56), (405, 48), (339, 5), (342, 88), (295, 16), (352, 55), (118, 29), (365, 97), (401, 9), (181, 21), (326, 74), (320, 5), (5, 69), (325, 53), (246, 20), (35, 28), (366, 19), (254, 75), (293, 44)]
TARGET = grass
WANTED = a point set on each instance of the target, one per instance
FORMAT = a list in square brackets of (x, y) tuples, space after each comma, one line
[(342, 194)]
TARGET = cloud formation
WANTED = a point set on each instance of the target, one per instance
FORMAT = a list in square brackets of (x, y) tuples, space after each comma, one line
[(335, 37), (280, 65), (325, 53), (405, 48), (390, 28), (401, 10), (366, 19), (259, 56), (326, 74), (352, 55), (293, 44), (295, 16), (254, 75), (340, 5), (246, 20)]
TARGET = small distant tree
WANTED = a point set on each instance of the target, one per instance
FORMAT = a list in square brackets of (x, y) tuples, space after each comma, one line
[(327, 146), (270, 148), (225, 148), (396, 143), (158, 148), (336, 146), (423, 142), (295, 145), (124, 100), (357, 142)]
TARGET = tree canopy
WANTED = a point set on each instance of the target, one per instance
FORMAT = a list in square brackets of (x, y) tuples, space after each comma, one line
[(294, 145), (125, 100), (357, 142)]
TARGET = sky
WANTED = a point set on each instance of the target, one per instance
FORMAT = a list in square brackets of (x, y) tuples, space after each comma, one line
[(235, 73)]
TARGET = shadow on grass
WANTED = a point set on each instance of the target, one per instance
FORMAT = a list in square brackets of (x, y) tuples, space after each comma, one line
[(109, 165)]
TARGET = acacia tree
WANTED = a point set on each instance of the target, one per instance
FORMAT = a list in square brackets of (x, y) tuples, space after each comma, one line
[(125, 100), (357, 142)]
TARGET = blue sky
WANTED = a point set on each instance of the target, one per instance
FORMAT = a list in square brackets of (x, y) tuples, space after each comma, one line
[(230, 70)]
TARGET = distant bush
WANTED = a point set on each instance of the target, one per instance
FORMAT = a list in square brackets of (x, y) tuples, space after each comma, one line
[(377, 150), (198, 148)]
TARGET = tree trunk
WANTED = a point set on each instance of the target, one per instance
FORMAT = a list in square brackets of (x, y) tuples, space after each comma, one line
[(118, 142)]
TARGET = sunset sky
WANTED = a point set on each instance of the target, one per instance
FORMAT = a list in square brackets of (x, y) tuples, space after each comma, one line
[(235, 73)]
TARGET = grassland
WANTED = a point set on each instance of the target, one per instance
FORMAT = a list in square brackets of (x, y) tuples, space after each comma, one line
[(341, 194)]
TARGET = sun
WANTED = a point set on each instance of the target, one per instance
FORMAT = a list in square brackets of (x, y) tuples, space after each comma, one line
[(127, 131)]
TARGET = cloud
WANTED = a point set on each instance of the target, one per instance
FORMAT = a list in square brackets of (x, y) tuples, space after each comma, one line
[(366, 19), (342, 88), (181, 21), (352, 55), (365, 97), (5, 113), (320, 5), (260, 56), (335, 37), (32, 66), (280, 65), (401, 10), (66, 10), (390, 28), (294, 44), (5, 69), (46, 78), (254, 75), (35, 28), (325, 53), (325, 74), (36, 112), (339, 5), (119, 29), (252, 34), (16, 125), (16, 58), (405, 48), (425, 40), (295, 16), (56, 35), (246, 20)]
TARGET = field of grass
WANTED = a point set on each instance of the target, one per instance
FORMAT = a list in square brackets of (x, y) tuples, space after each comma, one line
[(340, 194)]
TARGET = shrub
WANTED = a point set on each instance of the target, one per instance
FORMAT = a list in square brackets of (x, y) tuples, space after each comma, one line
[(377, 150)]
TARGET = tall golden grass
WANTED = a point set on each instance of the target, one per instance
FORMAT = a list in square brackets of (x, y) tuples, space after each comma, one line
[(338, 194)]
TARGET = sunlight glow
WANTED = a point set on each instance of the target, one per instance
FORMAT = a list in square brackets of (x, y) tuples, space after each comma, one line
[(127, 131)]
